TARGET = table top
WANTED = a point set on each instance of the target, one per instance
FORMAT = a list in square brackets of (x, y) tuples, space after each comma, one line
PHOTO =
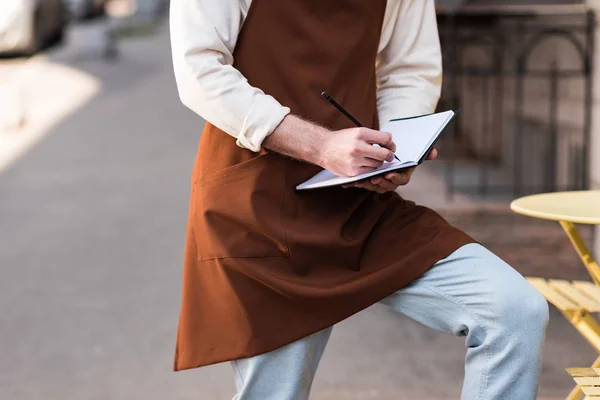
[(581, 207)]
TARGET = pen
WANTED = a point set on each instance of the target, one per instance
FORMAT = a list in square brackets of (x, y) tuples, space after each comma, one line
[(346, 113)]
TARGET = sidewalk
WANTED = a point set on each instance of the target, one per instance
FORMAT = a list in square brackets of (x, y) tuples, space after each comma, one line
[(35, 96)]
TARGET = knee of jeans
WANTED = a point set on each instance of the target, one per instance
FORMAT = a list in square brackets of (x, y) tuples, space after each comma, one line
[(523, 309), (536, 308)]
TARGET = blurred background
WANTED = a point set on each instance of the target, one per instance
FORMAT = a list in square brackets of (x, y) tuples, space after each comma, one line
[(96, 153)]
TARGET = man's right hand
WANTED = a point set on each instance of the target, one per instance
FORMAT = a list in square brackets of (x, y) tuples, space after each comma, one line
[(351, 152), (347, 152)]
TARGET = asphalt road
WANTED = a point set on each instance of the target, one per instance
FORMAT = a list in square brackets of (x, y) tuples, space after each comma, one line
[(92, 226)]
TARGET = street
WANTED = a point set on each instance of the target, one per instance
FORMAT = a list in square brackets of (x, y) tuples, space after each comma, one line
[(92, 228)]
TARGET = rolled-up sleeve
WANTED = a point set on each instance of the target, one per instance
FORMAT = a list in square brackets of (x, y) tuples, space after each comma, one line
[(409, 63), (203, 36)]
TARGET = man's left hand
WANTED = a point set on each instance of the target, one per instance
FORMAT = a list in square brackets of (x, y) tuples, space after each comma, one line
[(390, 181)]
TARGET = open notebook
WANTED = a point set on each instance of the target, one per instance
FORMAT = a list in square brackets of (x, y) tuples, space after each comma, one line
[(414, 138)]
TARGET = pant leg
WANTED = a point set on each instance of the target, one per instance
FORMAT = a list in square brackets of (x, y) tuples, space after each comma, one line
[(475, 294), (283, 374)]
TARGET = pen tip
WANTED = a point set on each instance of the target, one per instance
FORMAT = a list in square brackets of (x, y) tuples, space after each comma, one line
[(324, 94)]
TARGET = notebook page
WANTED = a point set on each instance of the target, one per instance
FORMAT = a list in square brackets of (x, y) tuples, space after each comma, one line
[(413, 136)]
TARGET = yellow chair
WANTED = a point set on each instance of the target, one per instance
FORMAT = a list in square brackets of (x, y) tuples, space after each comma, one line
[(587, 380), (577, 299)]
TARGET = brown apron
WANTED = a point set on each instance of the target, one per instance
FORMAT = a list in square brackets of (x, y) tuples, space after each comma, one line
[(266, 265)]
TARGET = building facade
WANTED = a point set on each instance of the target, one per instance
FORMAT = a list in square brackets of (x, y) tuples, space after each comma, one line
[(523, 75)]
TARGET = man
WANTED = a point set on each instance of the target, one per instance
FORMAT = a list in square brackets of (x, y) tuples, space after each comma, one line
[(269, 270)]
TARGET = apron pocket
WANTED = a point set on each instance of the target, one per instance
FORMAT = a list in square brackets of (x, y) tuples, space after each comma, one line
[(237, 210)]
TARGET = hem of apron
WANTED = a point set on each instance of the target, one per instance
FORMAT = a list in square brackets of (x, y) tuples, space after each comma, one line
[(267, 344)]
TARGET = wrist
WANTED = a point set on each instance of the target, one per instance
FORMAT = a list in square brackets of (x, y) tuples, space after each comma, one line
[(316, 145)]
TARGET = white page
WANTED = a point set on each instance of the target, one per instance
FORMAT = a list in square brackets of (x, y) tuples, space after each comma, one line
[(414, 136)]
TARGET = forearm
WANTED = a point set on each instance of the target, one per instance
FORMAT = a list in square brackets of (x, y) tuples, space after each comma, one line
[(299, 139)]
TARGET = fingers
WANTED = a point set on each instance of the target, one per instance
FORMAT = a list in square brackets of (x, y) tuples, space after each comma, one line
[(370, 163), (432, 154), (380, 154), (361, 150), (400, 178), (383, 183), (384, 139)]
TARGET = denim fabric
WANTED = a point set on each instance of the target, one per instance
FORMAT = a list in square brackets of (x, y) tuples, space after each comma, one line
[(471, 293)]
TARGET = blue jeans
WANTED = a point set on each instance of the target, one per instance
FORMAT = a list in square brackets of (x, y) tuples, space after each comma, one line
[(472, 293)]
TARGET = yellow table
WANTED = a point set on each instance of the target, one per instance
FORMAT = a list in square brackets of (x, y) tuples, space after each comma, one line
[(568, 208), (578, 299)]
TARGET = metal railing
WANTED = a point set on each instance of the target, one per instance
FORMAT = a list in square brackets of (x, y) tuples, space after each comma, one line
[(523, 82)]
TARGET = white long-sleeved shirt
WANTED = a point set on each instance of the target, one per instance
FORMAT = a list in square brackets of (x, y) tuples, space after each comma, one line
[(203, 37)]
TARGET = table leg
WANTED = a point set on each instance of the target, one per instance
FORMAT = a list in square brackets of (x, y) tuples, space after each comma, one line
[(587, 326), (584, 253), (584, 323)]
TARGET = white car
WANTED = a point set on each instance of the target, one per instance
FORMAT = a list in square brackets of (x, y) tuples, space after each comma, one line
[(27, 25), (80, 9)]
